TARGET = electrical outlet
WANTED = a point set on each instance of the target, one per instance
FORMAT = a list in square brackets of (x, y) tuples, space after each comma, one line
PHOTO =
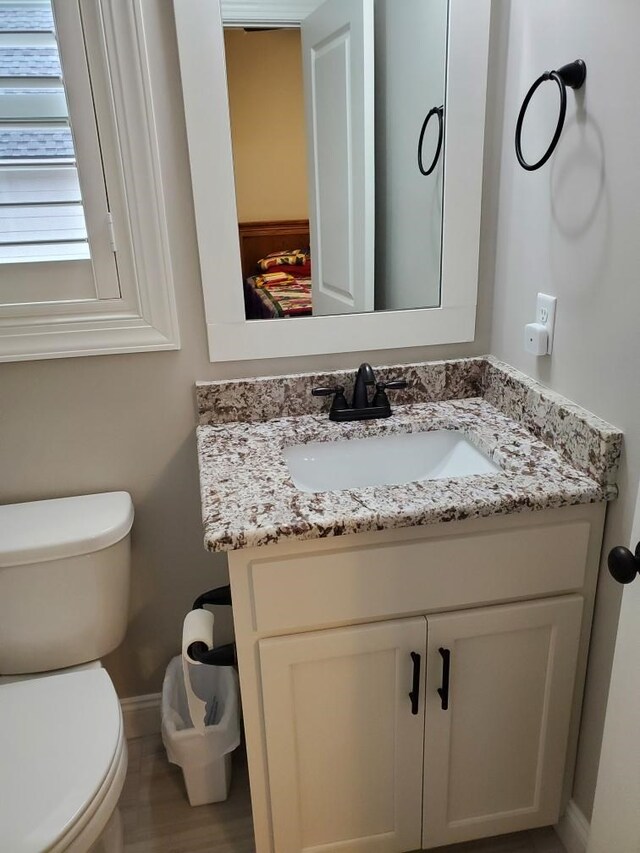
[(546, 316)]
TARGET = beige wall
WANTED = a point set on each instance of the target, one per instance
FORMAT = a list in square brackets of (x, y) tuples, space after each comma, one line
[(79, 425), (266, 102), (572, 230)]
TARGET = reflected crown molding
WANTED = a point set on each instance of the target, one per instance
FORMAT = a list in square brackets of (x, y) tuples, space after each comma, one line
[(287, 13)]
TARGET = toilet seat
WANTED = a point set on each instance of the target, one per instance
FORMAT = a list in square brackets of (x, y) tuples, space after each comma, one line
[(83, 834), (63, 761)]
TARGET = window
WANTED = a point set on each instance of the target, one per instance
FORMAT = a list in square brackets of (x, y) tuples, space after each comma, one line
[(41, 215), (82, 271)]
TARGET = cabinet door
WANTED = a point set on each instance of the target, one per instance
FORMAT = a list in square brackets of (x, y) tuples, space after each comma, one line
[(495, 757), (344, 739)]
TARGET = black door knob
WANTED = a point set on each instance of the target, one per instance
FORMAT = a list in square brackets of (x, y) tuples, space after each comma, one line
[(623, 565)]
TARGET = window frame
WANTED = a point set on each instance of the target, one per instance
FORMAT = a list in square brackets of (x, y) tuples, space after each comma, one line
[(139, 314)]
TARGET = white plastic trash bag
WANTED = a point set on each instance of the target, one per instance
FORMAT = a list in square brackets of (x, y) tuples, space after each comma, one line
[(205, 758)]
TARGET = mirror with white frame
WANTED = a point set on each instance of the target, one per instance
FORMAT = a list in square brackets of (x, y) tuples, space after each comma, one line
[(336, 158)]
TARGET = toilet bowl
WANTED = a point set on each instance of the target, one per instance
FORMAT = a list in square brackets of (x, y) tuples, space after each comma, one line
[(64, 587)]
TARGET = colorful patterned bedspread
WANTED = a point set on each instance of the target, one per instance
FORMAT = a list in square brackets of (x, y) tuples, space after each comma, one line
[(282, 294)]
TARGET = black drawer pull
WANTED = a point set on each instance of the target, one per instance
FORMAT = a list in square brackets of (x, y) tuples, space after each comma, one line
[(443, 692), (415, 692)]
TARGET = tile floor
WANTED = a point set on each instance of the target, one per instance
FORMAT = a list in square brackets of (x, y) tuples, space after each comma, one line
[(158, 818)]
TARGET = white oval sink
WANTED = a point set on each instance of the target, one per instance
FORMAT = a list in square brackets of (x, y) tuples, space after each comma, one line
[(388, 460)]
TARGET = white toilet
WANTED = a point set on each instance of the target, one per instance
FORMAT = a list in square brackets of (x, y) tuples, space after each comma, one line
[(64, 596)]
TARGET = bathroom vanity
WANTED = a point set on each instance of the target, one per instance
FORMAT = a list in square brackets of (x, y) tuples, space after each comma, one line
[(411, 655)]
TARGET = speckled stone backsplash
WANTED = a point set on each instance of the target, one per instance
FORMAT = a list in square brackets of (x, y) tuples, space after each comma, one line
[(588, 443), (585, 440), (268, 397)]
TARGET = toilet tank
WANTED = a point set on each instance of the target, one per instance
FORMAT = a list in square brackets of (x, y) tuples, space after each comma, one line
[(64, 580)]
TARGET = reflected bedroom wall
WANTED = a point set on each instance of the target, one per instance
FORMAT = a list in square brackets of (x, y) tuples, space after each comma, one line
[(266, 103)]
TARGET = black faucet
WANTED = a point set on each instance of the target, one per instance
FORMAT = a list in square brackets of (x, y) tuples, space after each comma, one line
[(364, 377), (360, 409)]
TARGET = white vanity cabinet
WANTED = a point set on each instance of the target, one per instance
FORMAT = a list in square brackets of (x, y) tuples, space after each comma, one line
[(330, 636)]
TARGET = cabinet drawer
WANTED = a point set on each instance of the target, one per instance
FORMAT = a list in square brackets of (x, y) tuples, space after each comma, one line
[(308, 589)]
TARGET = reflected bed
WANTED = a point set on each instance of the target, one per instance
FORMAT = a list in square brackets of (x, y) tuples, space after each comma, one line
[(276, 277)]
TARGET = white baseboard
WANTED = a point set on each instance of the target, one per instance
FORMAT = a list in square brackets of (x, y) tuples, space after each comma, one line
[(141, 715), (573, 829)]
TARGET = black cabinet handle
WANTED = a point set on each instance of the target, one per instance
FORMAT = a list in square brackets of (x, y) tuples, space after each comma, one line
[(623, 564), (443, 692), (415, 692)]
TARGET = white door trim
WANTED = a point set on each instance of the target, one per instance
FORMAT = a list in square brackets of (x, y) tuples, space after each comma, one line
[(573, 829)]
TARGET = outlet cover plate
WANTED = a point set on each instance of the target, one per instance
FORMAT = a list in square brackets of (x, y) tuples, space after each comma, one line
[(546, 315)]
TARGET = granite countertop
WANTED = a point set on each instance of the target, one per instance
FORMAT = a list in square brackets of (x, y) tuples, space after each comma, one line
[(551, 453)]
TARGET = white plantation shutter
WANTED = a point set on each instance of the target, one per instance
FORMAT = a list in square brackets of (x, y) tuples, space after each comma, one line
[(85, 266), (41, 214), (53, 204)]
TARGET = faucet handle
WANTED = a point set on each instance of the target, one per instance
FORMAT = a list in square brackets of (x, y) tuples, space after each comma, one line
[(392, 385), (339, 400), (380, 397), (327, 392)]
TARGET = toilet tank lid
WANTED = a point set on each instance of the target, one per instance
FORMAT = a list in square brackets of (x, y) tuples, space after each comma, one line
[(38, 531)]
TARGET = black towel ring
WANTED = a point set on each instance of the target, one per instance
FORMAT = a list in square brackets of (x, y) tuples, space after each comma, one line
[(439, 112), (573, 75)]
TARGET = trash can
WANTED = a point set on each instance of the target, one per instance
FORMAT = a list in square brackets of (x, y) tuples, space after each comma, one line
[(205, 758)]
